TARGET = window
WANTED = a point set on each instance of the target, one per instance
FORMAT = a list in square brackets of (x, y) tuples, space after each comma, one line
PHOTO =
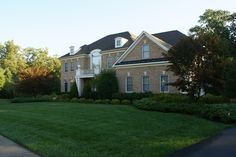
[(118, 43), (95, 61), (145, 83), (164, 84), (65, 86), (66, 67), (109, 62), (72, 66), (129, 84), (145, 51)]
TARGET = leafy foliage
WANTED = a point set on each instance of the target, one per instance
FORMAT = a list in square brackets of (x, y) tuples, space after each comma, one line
[(73, 90), (106, 84), (2, 78), (34, 80), (15, 60)]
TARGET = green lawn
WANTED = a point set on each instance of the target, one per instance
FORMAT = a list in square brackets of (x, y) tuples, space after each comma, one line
[(83, 130)]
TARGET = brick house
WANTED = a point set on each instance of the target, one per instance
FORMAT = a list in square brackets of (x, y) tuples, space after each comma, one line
[(137, 60)]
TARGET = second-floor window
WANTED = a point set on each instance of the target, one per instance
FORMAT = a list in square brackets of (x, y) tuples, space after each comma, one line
[(118, 43), (145, 83), (66, 67), (109, 62), (72, 66), (129, 84), (145, 51)]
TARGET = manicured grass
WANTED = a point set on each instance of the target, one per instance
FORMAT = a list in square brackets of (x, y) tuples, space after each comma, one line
[(84, 130)]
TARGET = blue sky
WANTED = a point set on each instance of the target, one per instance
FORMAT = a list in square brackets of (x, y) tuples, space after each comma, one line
[(58, 24)]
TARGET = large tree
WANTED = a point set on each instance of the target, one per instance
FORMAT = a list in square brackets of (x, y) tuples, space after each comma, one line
[(219, 22), (200, 63), (40, 58), (11, 57), (204, 59), (2, 78), (35, 80)]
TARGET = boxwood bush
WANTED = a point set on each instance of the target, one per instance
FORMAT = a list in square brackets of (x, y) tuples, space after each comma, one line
[(212, 112)]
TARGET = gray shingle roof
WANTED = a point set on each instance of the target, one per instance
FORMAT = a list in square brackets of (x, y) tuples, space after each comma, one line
[(170, 37), (106, 43)]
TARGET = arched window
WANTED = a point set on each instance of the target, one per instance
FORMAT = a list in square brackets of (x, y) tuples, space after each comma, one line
[(95, 61)]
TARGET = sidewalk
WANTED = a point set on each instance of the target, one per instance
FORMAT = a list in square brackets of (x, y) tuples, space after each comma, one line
[(223, 145), (10, 149)]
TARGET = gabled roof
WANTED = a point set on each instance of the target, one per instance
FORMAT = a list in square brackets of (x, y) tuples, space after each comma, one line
[(165, 40), (106, 43), (170, 37)]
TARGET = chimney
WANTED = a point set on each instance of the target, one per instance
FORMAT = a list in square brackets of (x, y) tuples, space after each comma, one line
[(72, 50)]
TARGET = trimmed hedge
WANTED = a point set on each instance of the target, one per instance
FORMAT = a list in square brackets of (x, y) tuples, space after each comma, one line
[(216, 112), (30, 99)]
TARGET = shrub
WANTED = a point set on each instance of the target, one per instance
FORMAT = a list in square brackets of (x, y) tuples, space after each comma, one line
[(212, 112), (63, 97), (74, 100), (115, 101), (106, 101), (73, 91), (126, 102), (29, 99), (171, 98), (212, 99), (131, 96), (98, 101), (106, 84)]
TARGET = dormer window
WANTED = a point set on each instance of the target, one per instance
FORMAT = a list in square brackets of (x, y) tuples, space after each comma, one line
[(119, 42)]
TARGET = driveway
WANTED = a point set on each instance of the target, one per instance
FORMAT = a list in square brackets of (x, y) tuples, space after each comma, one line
[(222, 145), (9, 148)]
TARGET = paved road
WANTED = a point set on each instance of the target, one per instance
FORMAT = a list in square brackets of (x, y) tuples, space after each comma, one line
[(10, 149), (222, 145)]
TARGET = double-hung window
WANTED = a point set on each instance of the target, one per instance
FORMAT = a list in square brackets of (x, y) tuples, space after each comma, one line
[(145, 51), (129, 84), (145, 83), (164, 84), (109, 62), (66, 67)]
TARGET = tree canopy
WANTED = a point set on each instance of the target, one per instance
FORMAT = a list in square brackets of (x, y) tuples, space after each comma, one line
[(203, 60), (16, 62)]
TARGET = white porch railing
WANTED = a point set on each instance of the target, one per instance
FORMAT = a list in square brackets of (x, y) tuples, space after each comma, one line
[(84, 73)]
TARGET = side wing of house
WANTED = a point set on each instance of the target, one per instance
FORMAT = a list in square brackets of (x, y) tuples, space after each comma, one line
[(143, 68)]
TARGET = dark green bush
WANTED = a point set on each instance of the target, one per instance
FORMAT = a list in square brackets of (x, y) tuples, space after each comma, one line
[(98, 101), (106, 84), (212, 112), (212, 99), (171, 98), (29, 99), (115, 101), (63, 97), (73, 91), (131, 96), (74, 100), (125, 102)]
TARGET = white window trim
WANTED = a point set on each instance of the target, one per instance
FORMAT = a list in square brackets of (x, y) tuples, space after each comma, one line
[(126, 80), (167, 86)]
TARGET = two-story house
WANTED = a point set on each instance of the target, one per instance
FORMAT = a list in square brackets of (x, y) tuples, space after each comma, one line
[(138, 61)]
